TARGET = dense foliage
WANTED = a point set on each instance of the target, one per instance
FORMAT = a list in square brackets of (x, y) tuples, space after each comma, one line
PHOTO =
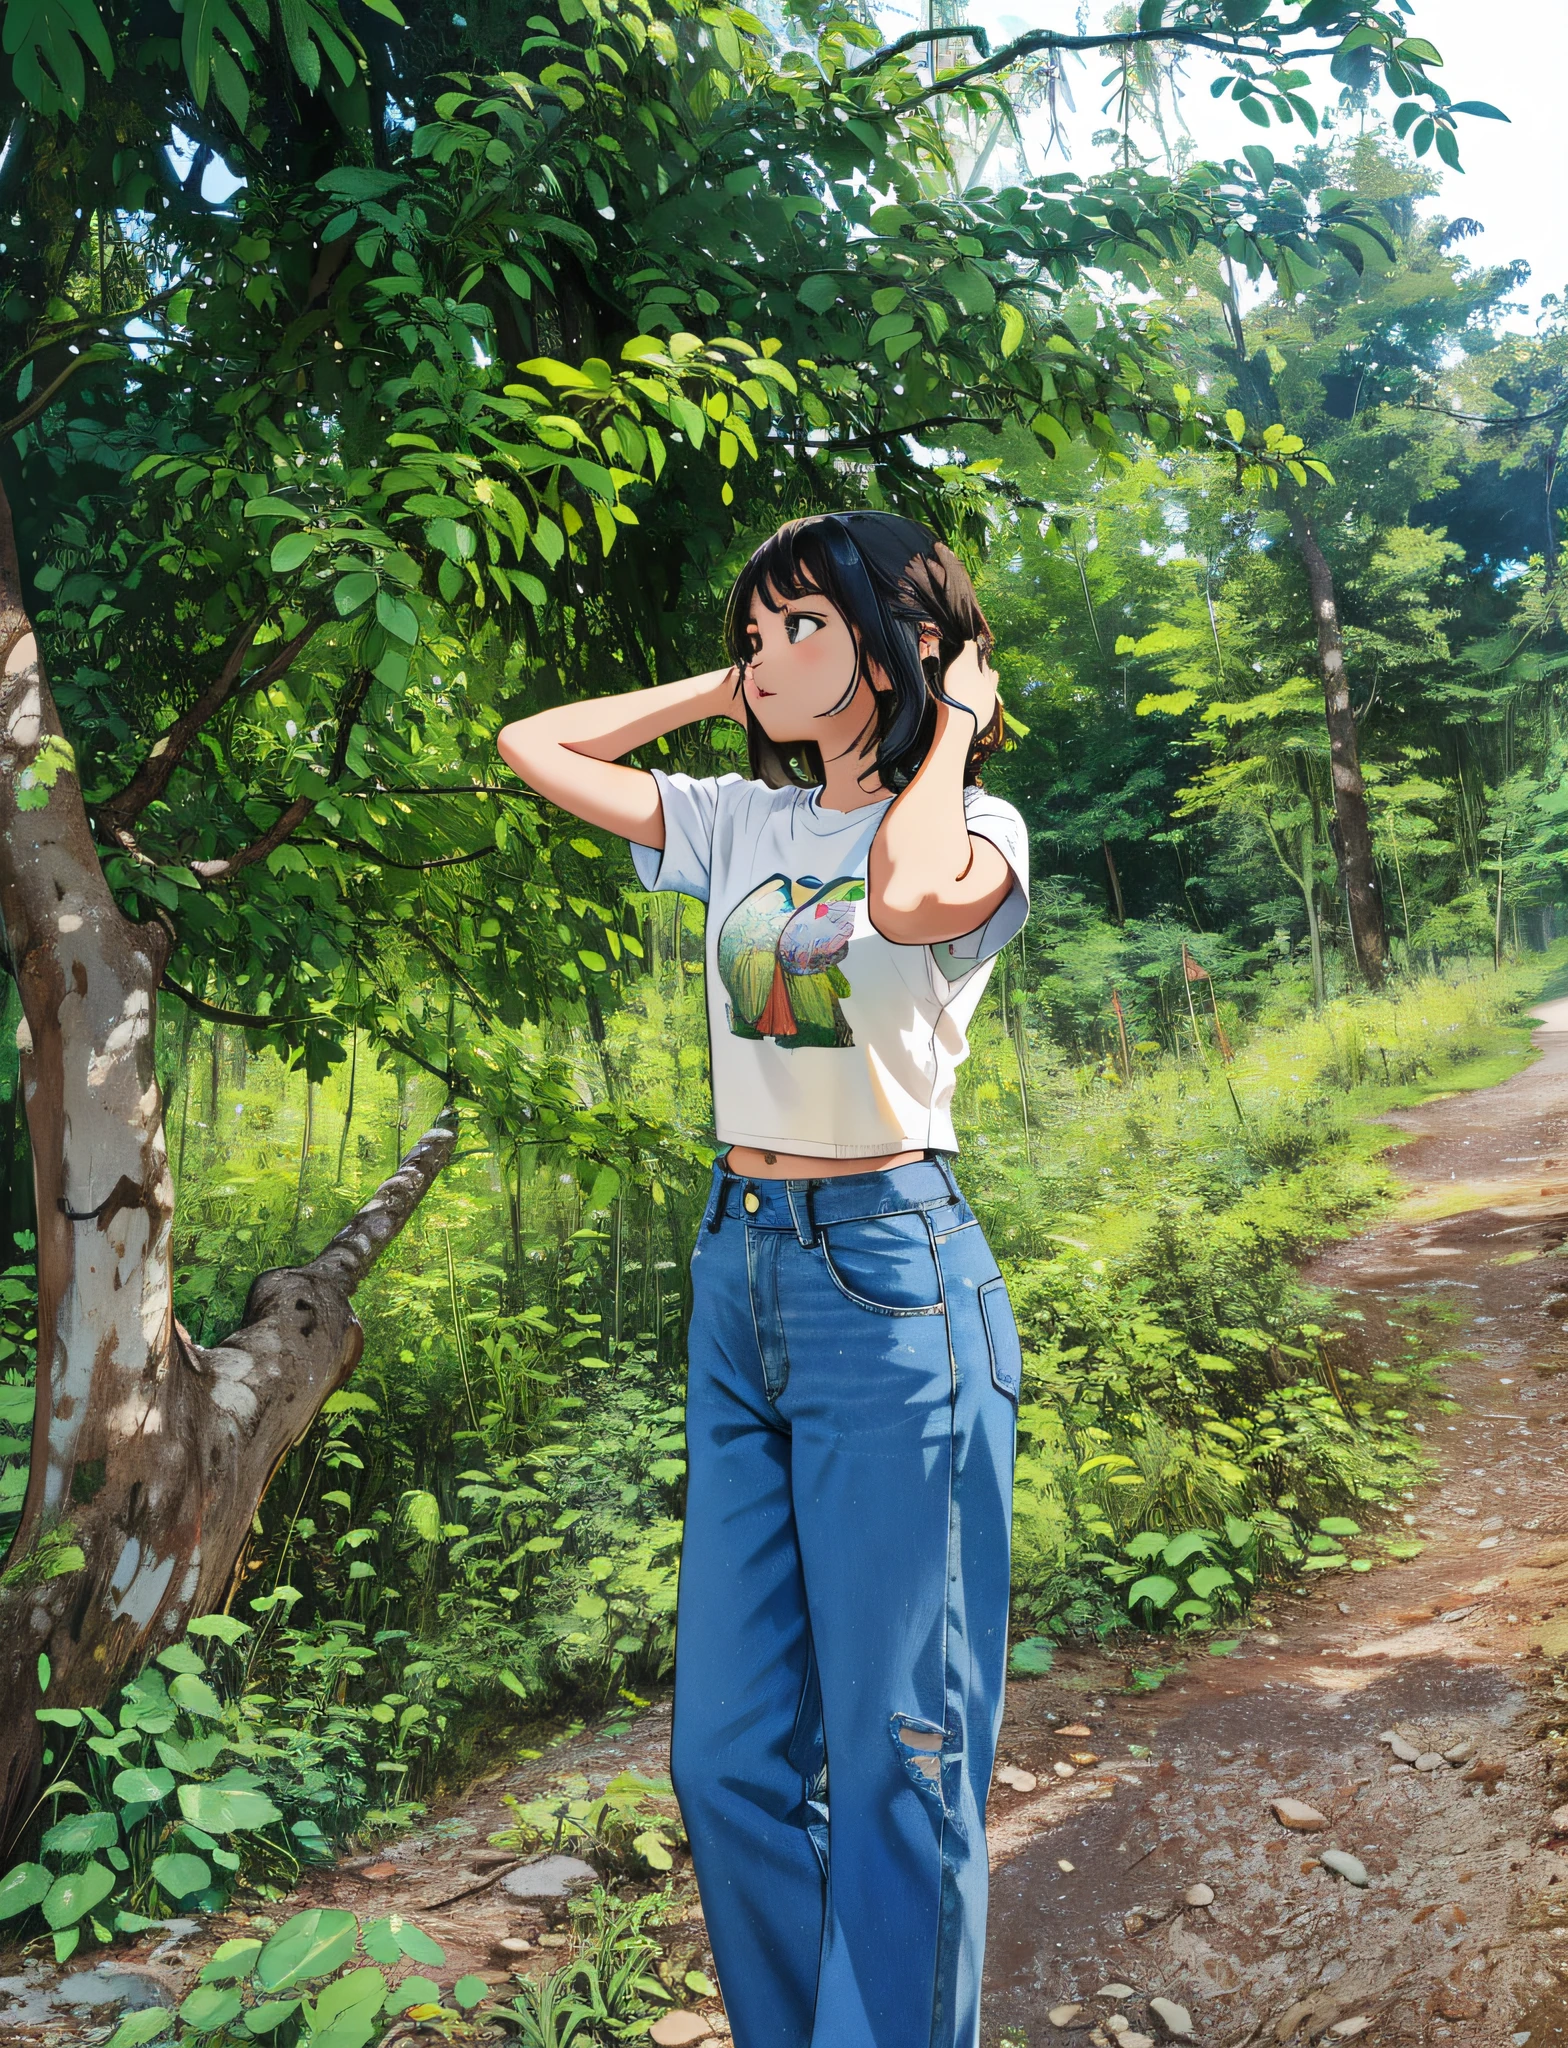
[(373, 378)]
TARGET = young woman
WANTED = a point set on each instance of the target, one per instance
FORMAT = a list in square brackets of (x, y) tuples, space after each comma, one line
[(841, 1628)]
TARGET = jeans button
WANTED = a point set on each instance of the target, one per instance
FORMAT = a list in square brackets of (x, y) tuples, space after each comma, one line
[(751, 1201)]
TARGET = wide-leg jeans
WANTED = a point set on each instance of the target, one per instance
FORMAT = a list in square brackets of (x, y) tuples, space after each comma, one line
[(841, 1629)]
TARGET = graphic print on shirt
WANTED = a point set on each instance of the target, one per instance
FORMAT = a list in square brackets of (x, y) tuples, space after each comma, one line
[(779, 954)]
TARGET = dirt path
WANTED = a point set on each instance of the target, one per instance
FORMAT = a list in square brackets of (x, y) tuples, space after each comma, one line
[(1460, 1934), (1457, 1937)]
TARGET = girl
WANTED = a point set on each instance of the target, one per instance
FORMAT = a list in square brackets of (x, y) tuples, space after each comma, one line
[(841, 1625)]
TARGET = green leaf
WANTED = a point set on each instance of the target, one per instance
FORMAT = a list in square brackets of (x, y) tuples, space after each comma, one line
[(228, 1628), (1014, 328), (1208, 1580), (80, 1833), (397, 616), (311, 1944), (196, 1696), (180, 1876), (45, 39), (293, 550), (1158, 1590), (223, 1807), (209, 2007), (138, 2028), (24, 1885), (76, 1893), (230, 1960), (1339, 1525), (263, 2019), (422, 1512), (468, 1991), (358, 1994), (353, 590), (1029, 1659), (819, 292), (1482, 109), (414, 1991)]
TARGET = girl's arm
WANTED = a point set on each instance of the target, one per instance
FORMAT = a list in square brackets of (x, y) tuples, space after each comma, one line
[(929, 879), (571, 754)]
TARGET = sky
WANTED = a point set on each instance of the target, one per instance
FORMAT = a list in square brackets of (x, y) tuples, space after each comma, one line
[(1513, 53)]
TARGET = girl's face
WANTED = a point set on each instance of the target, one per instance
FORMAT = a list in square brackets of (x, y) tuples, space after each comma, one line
[(802, 661), (803, 657)]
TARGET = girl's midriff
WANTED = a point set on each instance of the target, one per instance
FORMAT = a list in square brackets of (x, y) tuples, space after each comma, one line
[(751, 1164)]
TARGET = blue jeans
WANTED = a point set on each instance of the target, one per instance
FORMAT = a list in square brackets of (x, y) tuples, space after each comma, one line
[(841, 1629)]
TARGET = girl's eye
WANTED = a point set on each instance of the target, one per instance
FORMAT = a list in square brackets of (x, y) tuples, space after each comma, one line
[(800, 625)]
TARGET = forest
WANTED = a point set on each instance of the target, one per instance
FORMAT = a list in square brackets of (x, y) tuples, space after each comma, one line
[(373, 376)]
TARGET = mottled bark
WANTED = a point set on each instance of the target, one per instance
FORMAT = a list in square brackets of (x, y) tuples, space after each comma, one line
[(1357, 865), (149, 1453)]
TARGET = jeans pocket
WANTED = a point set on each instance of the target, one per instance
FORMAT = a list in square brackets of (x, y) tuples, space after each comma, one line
[(885, 1263), (1001, 1337)]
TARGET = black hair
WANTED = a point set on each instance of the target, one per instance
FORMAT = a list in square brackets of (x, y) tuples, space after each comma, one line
[(890, 578)]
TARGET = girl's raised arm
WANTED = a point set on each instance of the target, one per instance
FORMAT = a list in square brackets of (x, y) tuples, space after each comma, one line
[(571, 754)]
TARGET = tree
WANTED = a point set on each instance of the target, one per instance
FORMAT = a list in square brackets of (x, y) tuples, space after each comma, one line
[(361, 365)]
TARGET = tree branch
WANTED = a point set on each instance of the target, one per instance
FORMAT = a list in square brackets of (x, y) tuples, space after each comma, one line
[(157, 771), (351, 1254), (223, 870), (1054, 39), (217, 1014), (352, 697), (413, 867)]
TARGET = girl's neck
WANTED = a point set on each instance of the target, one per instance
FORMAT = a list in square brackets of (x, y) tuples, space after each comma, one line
[(845, 786)]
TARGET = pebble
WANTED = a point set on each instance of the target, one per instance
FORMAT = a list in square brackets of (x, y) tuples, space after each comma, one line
[(1118, 2023), (1063, 2015), (551, 1877), (1489, 1542), (378, 1872), (1295, 1813), (1344, 1865), (1063, 1864), (1116, 1991), (1075, 1728), (1085, 1757), (1346, 2030), (1559, 1821), (1174, 2018), (1405, 1751), (1199, 1895), (1461, 1753), (1019, 1780), (678, 2029), (1130, 2040), (1064, 1770), (1429, 1760)]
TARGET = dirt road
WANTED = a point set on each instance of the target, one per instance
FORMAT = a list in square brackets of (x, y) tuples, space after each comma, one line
[(1459, 1933)]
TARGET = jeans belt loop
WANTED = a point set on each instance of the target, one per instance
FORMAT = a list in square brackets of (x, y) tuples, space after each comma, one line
[(798, 1195), (715, 1214)]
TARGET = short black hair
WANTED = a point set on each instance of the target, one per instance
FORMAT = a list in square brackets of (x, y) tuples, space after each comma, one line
[(889, 577)]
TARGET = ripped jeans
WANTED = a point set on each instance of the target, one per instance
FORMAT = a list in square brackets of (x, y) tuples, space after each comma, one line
[(841, 1634)]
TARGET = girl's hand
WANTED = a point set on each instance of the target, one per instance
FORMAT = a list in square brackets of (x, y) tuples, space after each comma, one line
[(971, 683), (724, 699)]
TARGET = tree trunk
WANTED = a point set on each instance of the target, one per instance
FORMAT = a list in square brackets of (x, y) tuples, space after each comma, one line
[(150, 1453), (1357, 868)]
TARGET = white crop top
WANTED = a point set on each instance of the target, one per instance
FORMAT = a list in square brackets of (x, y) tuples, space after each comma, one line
[(824, 1037)]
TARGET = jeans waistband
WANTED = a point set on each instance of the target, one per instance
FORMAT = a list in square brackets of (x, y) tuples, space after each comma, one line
[(805, 1206)]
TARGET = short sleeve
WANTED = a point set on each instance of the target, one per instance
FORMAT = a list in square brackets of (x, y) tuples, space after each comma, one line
[(685, 864), (989, 817)]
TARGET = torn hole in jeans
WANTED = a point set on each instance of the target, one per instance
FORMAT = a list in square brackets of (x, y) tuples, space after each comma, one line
[(931, 1759)]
